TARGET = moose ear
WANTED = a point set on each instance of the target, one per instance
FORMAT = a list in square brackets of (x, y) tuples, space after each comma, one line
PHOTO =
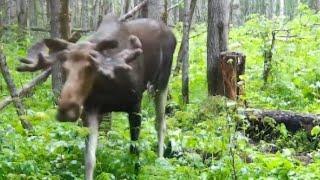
[(56, 44), (106, 44)]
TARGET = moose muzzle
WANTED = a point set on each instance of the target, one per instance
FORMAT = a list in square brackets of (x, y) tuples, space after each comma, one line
[(68, 112)]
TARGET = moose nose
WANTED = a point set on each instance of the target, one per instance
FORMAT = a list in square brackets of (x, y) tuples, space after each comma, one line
[(68, 113)]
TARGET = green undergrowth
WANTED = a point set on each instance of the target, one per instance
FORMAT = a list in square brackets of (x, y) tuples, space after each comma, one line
[(206, 139)]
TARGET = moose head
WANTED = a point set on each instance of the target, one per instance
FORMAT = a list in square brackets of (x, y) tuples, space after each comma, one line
[(82, 63)]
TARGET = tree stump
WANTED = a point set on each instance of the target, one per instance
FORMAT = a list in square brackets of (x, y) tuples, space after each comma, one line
[(232, 66)]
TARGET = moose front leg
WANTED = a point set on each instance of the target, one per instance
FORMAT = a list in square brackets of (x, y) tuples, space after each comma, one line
[(91, 121), (135, 124)]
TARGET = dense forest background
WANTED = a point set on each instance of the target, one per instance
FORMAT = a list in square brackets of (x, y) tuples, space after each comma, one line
[(86, 14), (208, 137)]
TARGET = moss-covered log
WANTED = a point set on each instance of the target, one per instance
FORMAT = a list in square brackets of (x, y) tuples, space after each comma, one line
[(263, 122)]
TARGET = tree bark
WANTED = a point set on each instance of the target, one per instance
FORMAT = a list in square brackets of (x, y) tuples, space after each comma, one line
[(281, 13), (165, 12), (175, 11), (217, 41), (126, 6), (181, 13), (144, 11), (184, 53), (232, 66), (184, 48), (236, 18), (270, 8), (65, 20), (2, 11), (22, 16), (139, 6), (316, 5), (85, 14), (268, 59), (155, 9), (11, 12), (60, 28)]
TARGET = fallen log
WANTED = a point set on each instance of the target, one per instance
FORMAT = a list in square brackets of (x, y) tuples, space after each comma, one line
[(262, 122), (27, 88)]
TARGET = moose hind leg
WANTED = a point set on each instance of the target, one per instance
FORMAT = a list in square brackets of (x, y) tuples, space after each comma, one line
[(92, 122), (160, 104)]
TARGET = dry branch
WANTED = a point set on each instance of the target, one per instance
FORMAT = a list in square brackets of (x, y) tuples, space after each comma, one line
[(13, 92), (133, 11), (28, 88), (38, 29), (174, 6)]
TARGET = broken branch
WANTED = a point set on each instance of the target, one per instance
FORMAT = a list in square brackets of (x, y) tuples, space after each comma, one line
[(133, 11), (28, 88), (13, 92)]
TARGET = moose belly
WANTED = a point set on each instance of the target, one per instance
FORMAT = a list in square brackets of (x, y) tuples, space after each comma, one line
[(114, 100)]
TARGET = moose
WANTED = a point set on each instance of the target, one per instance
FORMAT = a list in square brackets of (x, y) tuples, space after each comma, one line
[(109, 72)]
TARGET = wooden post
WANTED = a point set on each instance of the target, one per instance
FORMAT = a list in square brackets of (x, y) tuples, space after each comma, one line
[(232, 66), (13, 92)]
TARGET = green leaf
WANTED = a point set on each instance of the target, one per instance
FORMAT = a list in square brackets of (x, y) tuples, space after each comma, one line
[(315, 131)]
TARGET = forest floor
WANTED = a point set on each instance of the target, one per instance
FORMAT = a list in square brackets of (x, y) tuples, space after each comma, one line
[(203, 139)]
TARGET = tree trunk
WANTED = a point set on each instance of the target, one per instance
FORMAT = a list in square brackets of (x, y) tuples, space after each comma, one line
[(155, 9), (181, 13), (217, 41), (65, 20), (44, 12), (281, 8), (85, 14), (22, 15), (2, 12), (236, 18), (60, 28), (245, 9), (32, 14), (11, 12), (268, 53), (165, 12), (126, 6), (184, 49), (144, 11), (316, 5), (270, 8), (175, 12)]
